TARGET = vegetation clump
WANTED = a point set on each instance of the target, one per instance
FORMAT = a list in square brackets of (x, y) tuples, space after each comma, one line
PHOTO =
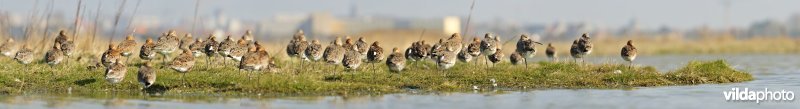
[(322, 79)]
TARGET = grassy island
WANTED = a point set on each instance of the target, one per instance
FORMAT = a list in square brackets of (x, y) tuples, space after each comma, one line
[(323, 79)]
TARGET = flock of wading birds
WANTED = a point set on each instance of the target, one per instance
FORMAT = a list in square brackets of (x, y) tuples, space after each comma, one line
[(253, 57)]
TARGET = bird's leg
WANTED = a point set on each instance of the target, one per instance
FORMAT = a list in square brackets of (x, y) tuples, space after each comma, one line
[(630, 64), (208, 62), (526, 62), (301, 66)]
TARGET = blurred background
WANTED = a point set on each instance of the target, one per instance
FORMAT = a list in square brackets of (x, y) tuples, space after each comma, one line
[(741, 24)]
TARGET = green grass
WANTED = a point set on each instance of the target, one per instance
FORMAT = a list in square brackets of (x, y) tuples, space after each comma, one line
[(326, 79)]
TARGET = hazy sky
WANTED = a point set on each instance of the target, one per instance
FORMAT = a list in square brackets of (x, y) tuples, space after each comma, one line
[(649, 13)]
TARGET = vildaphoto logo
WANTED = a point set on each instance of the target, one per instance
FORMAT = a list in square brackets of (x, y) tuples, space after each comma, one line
[(758, 95)]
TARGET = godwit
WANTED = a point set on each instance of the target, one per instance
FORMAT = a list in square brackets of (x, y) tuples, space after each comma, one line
[(197, 47), (437, 50), (127, 46), (225, 47), (363, 47), (628, 52), (352, 58), (239, 50), (146, 52), (453, 43), (185, 41), (526, 48), (7, 49), (334, 53), (62, 37), (67, 48), (496, 57), (449, 51), (167, 44), (348, 43), (251, 61), (267, 62), (575, 50), (24, 55), (473, 49), (516, 58), (54, 55), (147, 75), (490, 45), (116, 72), (375, 54), (418, 51), (446, 60), (396, 61), (210, 48), (184, 62), (463, 55), (111, 55), (551, 52), (314, 50), (297, 46), (584, 46)]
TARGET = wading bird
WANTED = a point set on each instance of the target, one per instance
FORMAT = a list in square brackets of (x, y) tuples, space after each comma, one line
[(146, 52), (490, 45), (526, 48), (127, 46), (551, 52), (111, 55), (628, 52), (167, 44), (352, 58), (184, 62), (334, 53), (314, 51), (396, 61), (147, 75), (24, 55), (116, 72), (54, 55), (7, 49), (516, 58), (375, 54)]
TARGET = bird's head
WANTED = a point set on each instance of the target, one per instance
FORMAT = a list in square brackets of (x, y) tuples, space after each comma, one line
[(376, 43), (129, 37), (630, 42)]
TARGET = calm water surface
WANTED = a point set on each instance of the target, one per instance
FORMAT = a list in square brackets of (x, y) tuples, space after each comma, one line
[(770, 71)]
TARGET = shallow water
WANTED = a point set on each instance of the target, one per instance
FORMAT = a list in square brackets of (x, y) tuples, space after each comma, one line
[(775, 72)]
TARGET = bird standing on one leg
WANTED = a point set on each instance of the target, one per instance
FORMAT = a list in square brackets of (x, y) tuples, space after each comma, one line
[(628, 53), (375, 54), (526, 47), (584, 45), (167, 44), (490, 45), (210, 48), (352, 58), (126, 47)]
